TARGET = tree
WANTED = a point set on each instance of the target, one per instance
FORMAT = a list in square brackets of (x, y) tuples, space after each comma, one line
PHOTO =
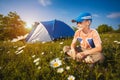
[(118, 30), (104, 28), (11, 26)]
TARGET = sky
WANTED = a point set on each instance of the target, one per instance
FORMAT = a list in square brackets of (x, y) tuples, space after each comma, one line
[(30, 11)]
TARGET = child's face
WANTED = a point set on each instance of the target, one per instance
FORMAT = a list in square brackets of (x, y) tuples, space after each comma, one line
[(84, 24)]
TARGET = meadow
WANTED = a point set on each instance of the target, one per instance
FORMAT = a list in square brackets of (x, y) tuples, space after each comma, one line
[(44, 61)]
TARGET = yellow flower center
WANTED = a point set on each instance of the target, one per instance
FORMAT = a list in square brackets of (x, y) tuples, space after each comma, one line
[(71, 78), (55, 64)]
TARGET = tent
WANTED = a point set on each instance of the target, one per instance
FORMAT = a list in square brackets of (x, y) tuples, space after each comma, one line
[(49, 30)]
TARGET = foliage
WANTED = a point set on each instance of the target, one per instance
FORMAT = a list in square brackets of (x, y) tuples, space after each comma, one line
[(74, 28), (118, 30), (27, 61), (11, 26), (104, 28)]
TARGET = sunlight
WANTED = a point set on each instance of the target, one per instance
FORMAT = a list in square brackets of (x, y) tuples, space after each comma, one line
[(29, 25)]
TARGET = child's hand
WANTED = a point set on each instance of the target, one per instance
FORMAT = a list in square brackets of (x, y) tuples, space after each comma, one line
[(88, 59), (73, 53), (80, 56)]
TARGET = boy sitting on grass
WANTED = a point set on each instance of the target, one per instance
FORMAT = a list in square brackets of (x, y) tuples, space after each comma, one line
[(90, 47)]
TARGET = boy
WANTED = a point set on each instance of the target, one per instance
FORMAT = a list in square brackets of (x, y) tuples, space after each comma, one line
[(90, 42)]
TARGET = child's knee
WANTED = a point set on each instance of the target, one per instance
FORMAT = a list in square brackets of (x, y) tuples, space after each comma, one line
[(66, 49)]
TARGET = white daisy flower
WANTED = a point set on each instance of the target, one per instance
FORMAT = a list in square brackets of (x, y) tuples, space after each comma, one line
[(60, 70), (39, 67), (43, 42), (71, 77), (15, 46), (55, 63), (37, 63), (118, 42), (36, 60), (61, 42), (33, 56), (18, 52), (52, 42), (43, 53), (61, 51), (115, 41), (88, 59), (8, 52), (68, 67), (21, 48), (14, 40)]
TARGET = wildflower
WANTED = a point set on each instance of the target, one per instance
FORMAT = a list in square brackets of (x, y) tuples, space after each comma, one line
[(52, 42), (42, 53), (18, 52), (15, 46), (88, 59), (14, 40), (33, 56), (61, 42), (68, 67), (115, 41), (55, 63), (36, 60), (61, 51), (37, 63), (8, 52), (118, 42), (43, 42), (71, 77), (39, 67), (21, 48), (60, 70)]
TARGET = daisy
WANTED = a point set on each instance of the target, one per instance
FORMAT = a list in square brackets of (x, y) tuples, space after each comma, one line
[(37, 63), (118, 42), (60, 70), (36, 60), (18, 52), (43, 42), (55, 63), (68, 67), (33, 56), (42, 53), (61, 42), (39, 67), (21, 48), (14, 40), (61, 51), (8, 52), (71, 77), (15, 46), (115, 41)]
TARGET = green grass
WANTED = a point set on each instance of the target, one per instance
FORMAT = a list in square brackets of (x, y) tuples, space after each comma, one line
[(21, 66)]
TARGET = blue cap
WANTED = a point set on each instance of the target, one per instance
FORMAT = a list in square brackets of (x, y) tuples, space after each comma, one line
[(82, 17)]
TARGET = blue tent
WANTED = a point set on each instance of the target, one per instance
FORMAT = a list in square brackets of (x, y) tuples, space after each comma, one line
[(50, 30)]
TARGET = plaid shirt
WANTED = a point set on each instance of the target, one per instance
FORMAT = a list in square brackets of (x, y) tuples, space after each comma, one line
[(89, 40)]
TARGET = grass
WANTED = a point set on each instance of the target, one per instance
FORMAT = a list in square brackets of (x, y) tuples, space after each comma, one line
[(22, 66)]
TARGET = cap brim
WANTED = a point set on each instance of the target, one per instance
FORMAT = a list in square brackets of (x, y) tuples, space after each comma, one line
[(73, 20)]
